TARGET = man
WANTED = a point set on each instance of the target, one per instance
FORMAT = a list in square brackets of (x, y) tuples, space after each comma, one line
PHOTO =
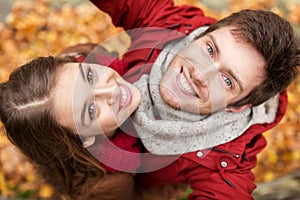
[(255, 62)]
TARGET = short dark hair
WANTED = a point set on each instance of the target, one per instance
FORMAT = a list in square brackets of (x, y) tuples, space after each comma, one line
[(274, 38)]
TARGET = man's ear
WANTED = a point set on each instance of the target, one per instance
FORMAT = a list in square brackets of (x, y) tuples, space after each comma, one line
[(237, 109)]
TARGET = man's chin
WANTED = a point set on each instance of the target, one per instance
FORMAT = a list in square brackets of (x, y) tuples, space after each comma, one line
[(177, 106), (188, 108), (169, 100), (183, 104)]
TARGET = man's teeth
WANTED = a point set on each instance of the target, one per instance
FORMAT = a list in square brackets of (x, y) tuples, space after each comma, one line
[(124, 96), (185, 85)]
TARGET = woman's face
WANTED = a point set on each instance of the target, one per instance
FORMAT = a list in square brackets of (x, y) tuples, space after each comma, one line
[(93, 99)]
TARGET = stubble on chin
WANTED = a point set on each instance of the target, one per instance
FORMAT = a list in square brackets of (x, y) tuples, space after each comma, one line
[(169, 98)]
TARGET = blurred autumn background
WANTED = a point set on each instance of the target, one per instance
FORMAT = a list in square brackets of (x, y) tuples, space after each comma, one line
[(43, 27)]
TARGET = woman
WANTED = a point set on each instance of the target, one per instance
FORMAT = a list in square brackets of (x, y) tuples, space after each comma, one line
[(29, 111), (37, 105)]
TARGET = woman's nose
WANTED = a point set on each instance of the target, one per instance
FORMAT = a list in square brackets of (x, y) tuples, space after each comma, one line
[(105, 91)]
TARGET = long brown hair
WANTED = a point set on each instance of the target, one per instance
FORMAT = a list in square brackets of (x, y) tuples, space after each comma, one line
[(26, 111)]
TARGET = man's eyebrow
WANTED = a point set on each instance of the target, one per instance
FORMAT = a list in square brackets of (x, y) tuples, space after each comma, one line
[(214, 41), (229, 71), (239, 82), (81, 71)]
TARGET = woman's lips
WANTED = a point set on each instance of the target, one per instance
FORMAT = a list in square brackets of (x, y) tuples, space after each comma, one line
[(125, 96)]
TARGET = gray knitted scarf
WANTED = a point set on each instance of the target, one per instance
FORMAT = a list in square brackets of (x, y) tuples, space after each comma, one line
[(167, 131)]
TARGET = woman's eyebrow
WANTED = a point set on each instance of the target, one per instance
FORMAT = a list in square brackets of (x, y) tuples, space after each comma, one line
[(81, 71), (82, 118), (83, 114)]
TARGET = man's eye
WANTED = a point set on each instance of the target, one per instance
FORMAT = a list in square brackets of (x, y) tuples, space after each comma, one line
[(210, 50), (227, 81), (92, 111), (90, 76)]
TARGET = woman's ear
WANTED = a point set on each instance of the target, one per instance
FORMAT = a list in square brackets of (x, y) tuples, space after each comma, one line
[(88, 141), (237, 109)]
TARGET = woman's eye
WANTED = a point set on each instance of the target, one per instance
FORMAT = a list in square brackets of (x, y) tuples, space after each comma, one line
[(227, 81), (210, 50), (90, 76), (92, 111)]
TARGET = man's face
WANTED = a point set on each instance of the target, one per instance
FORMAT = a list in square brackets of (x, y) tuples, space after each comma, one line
[(226, 72)]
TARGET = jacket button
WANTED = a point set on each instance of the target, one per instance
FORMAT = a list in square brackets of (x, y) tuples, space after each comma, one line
[(199, 154), (224, 164)]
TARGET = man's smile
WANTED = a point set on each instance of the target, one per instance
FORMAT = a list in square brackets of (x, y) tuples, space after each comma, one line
[(185, 84)]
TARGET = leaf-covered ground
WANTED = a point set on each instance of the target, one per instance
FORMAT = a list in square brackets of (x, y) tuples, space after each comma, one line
[(44, 27)]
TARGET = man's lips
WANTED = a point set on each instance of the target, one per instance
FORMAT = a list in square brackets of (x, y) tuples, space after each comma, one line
[(185, 84)]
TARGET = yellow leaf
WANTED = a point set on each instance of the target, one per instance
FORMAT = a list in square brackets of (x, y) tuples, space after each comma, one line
[(269, 176), (3, 187), (46, 191), (272, 157)]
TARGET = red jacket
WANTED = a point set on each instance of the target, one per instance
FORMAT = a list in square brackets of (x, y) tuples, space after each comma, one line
[(223, 172)]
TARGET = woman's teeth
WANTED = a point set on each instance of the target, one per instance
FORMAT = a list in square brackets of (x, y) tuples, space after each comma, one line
[(186, 86), (124, 96)]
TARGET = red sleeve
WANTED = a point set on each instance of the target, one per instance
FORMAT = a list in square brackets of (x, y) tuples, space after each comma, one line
[(167, 22), (212, 186), (131, 14)]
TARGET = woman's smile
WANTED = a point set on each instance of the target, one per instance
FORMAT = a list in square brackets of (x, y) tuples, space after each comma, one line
[(124, 97)]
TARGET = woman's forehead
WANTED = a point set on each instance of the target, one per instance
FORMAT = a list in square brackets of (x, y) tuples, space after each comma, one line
[(62, 94)]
